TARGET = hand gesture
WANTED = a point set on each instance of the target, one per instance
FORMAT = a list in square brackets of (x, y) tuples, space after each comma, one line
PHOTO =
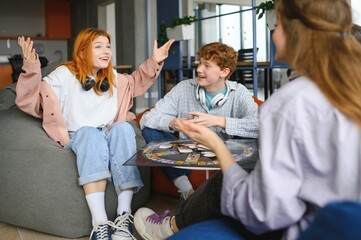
[(207, 120), (173, 124), (27, 46), (207, 137), (161, 53), (198, 133)]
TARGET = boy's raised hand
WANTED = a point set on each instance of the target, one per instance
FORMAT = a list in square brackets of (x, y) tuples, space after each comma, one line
[(161, 53), (207, 120)]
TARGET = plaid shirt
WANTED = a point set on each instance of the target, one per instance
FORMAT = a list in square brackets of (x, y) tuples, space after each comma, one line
[(240, 110)]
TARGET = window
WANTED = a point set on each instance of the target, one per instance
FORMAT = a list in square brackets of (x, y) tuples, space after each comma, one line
[(356, 13), (229, 24)]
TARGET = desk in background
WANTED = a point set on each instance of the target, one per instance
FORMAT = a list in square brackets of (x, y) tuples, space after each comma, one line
[(169, 78), (241, 64), (123, 68), (5, 75), (266, 66)]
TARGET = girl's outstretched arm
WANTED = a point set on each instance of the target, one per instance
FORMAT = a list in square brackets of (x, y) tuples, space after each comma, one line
[(207, 137)]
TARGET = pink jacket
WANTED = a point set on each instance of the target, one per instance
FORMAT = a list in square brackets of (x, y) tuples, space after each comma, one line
[(37, 98)]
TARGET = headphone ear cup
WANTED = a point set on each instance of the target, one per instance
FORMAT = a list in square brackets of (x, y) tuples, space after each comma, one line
[(201, 95), (224, 98), (105, 85), (217, 100), (88, 84), (197, 92)]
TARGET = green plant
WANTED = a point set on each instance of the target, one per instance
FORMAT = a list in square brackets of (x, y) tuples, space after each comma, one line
[(265, 6), (187, 20), (162, 37)]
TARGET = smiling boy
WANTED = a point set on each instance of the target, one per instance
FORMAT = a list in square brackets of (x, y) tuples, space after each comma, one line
[(210, 100)]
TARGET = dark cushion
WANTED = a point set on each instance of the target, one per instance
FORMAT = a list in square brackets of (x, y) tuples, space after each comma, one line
[(336, 221), (216, 229), (7, 97)]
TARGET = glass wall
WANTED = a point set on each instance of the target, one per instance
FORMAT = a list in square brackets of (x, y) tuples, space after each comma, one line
[(230, 24), (233, 25), (356, 13)]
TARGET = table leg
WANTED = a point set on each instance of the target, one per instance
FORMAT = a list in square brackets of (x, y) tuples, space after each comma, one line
[(270, 82), (266, 77)]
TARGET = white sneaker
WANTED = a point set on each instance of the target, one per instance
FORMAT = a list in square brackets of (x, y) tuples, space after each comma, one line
[(122, 229), (152, 226), (101, 231)]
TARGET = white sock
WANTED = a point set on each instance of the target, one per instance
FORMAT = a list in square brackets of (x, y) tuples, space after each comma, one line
[(124, 201), (183, 183), (97, 207)]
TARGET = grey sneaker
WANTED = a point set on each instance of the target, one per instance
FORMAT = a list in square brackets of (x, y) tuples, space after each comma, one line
[(101, 231), (122, 229), (152, 226), (185, 195)]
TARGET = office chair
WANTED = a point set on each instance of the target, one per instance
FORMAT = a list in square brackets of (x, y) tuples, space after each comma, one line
[(16, 63)]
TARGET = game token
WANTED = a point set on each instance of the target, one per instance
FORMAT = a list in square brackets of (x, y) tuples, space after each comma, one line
[(190, 145), (165, 146), (208, 154), (184, 150), (201, 146), (192, 159)]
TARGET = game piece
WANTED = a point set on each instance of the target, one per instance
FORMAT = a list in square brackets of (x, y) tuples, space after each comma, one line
[(202, 147), (192, 159), (208, 154), (165, 146), (190, 145), (184, 150)]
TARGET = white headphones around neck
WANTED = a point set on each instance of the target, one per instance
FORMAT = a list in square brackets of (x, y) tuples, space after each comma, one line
[(217, 100)]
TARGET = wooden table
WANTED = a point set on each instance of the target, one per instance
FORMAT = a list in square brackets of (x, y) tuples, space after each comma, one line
[(266, 65), (5, 75), (241, 64), (123, 68)]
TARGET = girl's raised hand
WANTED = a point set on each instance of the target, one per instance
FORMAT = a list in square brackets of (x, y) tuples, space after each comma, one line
[(27, 47), (161, 53)]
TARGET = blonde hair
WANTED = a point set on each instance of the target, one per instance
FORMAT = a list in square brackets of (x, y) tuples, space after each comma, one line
[(81, 65), (223, 55), (320, 46)]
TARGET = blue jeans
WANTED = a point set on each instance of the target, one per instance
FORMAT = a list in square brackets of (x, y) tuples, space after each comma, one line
[(98, 151), (150, 135)]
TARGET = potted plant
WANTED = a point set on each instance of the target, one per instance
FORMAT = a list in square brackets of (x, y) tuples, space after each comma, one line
[(267, 8), (180, 29)]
